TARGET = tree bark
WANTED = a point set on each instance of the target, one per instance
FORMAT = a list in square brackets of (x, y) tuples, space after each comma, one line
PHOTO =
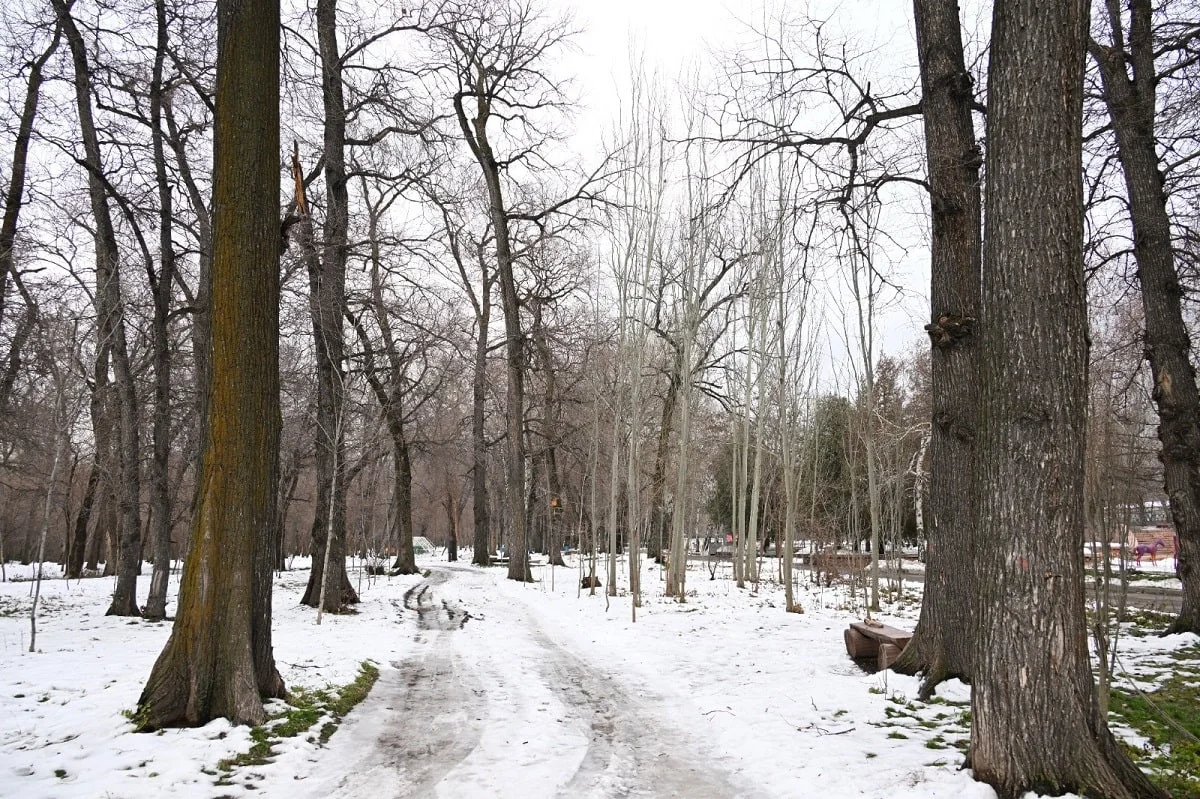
[(940, 648), (1130, 99), (479, 489), (218, 662), (402, 523), (162, 289), (327, 283), (1035, 716)]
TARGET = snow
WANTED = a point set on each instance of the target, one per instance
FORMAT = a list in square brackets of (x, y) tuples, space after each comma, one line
[(490, 688)]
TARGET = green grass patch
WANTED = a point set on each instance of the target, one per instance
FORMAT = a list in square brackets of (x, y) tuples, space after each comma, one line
[(1145, 622), (1152, 576), (1169, 718), (304, 708)]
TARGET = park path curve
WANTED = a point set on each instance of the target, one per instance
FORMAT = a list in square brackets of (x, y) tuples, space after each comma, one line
[(489, 704)]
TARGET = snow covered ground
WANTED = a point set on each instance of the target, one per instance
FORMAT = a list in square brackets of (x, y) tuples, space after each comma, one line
[(490, 688)]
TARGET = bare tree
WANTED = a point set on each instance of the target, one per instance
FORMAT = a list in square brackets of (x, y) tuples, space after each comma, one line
[(325, 260), (406, 379), (111, 328), (1130, 78), (497, 51), (14, 200), (162, 286)]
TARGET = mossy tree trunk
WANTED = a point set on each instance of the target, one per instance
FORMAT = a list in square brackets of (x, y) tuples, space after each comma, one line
[(218, 661)]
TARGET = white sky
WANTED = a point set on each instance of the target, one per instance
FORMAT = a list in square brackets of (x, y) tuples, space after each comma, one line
[(678, 36)]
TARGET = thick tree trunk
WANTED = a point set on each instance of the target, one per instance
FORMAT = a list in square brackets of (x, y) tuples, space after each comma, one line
[(941, 645), (111, 331), (218, 660), (1035, 716), (1131, 106)]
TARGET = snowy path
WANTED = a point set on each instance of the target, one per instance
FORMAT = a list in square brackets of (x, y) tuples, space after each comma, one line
[(489, 704), (491, 689)]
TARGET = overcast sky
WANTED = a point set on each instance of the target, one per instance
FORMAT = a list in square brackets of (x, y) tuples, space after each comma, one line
[(681, 35)]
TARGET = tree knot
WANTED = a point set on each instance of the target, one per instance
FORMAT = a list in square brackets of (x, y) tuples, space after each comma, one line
[(949, 329)]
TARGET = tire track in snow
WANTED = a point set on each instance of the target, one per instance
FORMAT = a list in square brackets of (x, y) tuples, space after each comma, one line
[(427, 708), (626, 755), (443, 721)]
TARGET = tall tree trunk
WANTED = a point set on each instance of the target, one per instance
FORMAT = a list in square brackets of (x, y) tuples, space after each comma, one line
[(162, 288), (1130, 99), (550, 432), (514, 412), (218, 662), (940, 648), (474, 128), (658, 480), (402, 521), (479, 489), (327, 300), (111, 330), (677, 571), (1035, 716)]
